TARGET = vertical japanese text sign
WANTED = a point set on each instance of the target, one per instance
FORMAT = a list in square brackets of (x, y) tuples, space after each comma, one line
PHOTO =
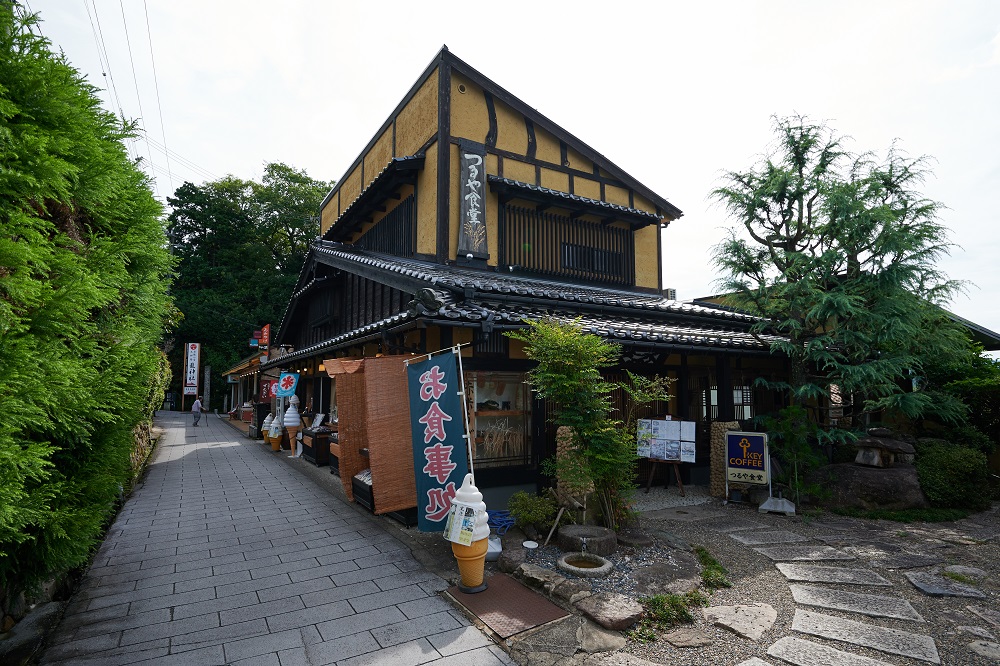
[(192, 361), (472, 191), (440, 461)]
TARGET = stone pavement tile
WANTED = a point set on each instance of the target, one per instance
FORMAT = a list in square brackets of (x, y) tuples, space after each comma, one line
[(800, 652), (169, 629), (337, 554), (420, 607), (803, 553), (334, 651), (122, 622), (171, 600), (482, 656), (308, 616), (892, 641), (295, 589), (755, 538), (371, 573), (214, 605), (152, 580), (434, 586), (97, 589), (382, 599), (252, 647), (409, 630), (990, 615), (403, 579), (217, 581), (206, 656), (360, 623), (907, 561), (114, 657), (312, 570), (257, 567), (413, 653), (260, 660), (136, 595), (83, 647), (218, 635), (260, 611), (753, 661), (935, 585), (76, 616), (812, 573), (254, 585), (865, 604), (151, 555), (326, 596), (459, 640), (96, 575)]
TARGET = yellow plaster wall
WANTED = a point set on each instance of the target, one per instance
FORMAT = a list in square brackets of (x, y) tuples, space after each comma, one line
[(350, 188), (555, 180), (417, 121), (492, 214), (516, 349), (647, 266), (330, 213), (578, 161), (640, 202), (470, 118), (586, 187), (616, 195), (520, 171), (546, 147), (433, 337), (463, 336), (427, 204), (378, 157), (511, 133)]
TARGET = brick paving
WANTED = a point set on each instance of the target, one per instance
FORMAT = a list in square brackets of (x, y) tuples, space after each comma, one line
[(224, 554)]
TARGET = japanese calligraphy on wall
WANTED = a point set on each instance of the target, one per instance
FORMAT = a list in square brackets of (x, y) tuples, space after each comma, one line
[(746, 457), (440, 460), (472, 194), (668, 440), (191, 366)]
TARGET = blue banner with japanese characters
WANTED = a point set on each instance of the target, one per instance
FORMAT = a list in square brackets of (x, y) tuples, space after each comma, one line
[(746, 458), (440, 459)]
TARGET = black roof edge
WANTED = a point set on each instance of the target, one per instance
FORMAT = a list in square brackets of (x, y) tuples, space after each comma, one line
[(403, 163)]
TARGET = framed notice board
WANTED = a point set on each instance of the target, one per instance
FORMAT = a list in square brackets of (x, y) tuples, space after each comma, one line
[(667, 440)]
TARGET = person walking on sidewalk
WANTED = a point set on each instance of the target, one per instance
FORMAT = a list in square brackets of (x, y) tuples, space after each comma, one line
[(196, 410)]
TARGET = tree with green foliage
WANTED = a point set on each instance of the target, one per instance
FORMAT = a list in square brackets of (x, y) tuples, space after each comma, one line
[(836, 252), (240, 245), (84, 271), (569, 374)]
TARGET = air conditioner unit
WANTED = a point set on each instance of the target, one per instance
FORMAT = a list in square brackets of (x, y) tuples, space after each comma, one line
[(670, 293)]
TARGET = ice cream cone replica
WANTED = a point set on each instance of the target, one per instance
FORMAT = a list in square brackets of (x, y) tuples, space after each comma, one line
[(471, 556), (265, 427), (292, 421)]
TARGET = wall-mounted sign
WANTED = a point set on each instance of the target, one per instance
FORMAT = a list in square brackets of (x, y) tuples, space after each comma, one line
[(440, 461), (267, 389), (265, 336), (254, 342), (746, 458), (286, 384), (472, 195)]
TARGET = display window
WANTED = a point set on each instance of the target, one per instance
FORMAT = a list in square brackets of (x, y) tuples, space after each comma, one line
[(500, 418)]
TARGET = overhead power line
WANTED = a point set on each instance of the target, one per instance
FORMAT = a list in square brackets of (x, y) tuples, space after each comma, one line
[(159, 107), (135, 80)]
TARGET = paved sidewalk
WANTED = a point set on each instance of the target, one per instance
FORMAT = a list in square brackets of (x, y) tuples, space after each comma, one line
[(225, 554)]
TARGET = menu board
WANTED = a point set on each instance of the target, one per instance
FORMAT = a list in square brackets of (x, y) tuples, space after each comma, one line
[(668, 440)]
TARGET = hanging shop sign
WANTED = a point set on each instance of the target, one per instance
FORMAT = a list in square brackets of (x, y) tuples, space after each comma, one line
[(192, 363), (472, 184), (747, 458), (265, 336), (286, 384), (440, 461), (268, 387)]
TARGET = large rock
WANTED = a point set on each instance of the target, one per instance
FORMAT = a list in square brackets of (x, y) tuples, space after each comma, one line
[(611, 611), (866, 488), (678, 575), (746, 621), (27, 635), (588, 538)]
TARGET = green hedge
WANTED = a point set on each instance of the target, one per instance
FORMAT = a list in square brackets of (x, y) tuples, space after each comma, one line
[(83, 277), (953, 476)]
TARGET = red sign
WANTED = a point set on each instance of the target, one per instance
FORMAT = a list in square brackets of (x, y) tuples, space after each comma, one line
[(257, 334), (265, 336), (267, 389)]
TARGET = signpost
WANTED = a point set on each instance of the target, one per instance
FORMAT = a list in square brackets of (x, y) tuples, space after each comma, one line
[(748, 461)]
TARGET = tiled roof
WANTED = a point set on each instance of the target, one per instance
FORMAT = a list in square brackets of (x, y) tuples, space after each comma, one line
[(497, 181), (487, 283)]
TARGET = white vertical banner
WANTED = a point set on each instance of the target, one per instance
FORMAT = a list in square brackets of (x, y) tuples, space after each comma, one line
[(191, 365)]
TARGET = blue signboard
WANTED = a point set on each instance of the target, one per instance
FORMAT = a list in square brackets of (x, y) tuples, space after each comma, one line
[(286, 384), (440, 460), (746, 458)]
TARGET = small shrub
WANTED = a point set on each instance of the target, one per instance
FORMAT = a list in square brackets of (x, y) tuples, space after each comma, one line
[(527, 509), (952, 476), (666, 610)]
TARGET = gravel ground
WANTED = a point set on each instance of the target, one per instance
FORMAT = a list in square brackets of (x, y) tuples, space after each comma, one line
[(971, 542)]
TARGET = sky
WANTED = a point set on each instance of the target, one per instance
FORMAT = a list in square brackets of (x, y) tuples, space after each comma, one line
[(675, 93)]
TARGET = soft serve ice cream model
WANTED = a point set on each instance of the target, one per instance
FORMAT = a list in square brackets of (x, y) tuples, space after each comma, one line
[(293, 423), (468, 530)]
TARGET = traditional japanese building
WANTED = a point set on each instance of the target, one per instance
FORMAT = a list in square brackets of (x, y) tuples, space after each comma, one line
[(468, 213)]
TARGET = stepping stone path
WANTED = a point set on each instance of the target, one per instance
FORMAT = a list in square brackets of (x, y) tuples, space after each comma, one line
[(893, 641), (938, 586), (794, 561), (746, 621)]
